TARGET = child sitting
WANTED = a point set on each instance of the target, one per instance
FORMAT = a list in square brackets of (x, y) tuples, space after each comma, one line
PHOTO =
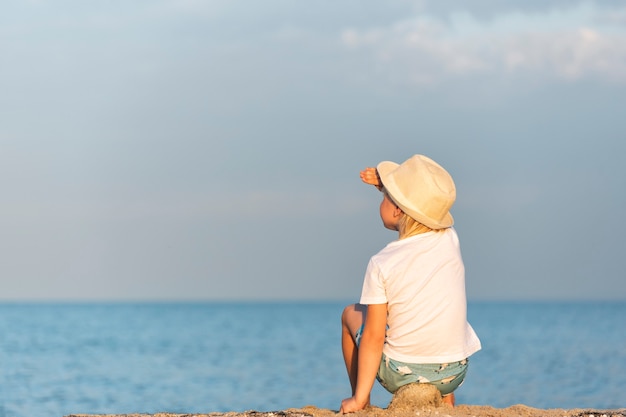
[(411, 323)]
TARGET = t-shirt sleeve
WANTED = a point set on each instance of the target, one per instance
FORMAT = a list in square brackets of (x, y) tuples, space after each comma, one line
[(373, 291)]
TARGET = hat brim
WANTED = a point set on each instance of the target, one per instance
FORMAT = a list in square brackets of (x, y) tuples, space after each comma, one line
[(384, 169)]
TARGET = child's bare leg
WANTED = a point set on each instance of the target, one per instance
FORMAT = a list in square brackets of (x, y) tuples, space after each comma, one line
[(448, 399), (351, 320)]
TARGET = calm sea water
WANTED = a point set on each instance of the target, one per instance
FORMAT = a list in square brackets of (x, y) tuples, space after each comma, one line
[(192, 358)]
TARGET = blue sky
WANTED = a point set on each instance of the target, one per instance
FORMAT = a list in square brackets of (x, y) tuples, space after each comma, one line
[(208, 150)]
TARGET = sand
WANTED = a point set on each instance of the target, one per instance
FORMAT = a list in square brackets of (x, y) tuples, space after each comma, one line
[(465, 411), (414, 400)]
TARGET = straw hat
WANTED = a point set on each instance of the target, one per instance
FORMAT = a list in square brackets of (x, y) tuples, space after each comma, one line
[(421, 188)]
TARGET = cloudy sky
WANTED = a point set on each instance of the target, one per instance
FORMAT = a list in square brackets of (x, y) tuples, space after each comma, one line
[(201, 150)]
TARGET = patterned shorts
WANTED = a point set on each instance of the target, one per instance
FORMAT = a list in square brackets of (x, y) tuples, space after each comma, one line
[(393, 374), (446, 377)]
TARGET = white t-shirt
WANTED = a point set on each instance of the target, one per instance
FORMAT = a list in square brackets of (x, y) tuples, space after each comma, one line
[(422, 280)]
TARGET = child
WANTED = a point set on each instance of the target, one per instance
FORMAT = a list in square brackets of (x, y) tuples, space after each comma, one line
[(411, 323)]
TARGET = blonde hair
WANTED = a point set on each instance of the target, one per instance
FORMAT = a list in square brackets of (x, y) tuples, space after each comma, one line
[(408, 226)]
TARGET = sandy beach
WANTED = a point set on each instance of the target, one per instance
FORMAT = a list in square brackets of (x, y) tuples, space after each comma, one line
[(459, 411), (412, 401)]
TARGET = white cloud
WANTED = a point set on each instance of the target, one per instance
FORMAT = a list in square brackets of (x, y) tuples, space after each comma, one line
[(569, 55), (425, 50)]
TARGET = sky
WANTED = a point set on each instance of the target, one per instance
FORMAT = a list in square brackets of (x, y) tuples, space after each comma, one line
[(210, 149)]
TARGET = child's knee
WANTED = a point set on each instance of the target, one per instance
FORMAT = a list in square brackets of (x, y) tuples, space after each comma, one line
[(353, 317)]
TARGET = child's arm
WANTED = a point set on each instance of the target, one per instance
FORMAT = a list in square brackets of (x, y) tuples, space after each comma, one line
[(370, 353), (370, 176)]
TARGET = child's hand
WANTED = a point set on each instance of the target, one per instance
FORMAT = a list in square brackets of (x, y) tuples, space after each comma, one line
[(350, 405), (370, 176)]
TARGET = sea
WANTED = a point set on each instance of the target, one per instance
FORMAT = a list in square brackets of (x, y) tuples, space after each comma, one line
[(58, 359)]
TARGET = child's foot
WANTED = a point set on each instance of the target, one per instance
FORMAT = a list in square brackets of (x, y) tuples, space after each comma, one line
[(448, 399)]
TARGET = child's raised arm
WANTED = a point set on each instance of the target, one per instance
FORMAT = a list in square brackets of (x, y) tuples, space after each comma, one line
[(370, 176)]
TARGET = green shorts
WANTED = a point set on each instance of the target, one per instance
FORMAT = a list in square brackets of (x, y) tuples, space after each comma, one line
[(446, 377), (393, 374)]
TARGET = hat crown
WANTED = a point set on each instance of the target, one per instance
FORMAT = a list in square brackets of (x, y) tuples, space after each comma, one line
[(422, 188)]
